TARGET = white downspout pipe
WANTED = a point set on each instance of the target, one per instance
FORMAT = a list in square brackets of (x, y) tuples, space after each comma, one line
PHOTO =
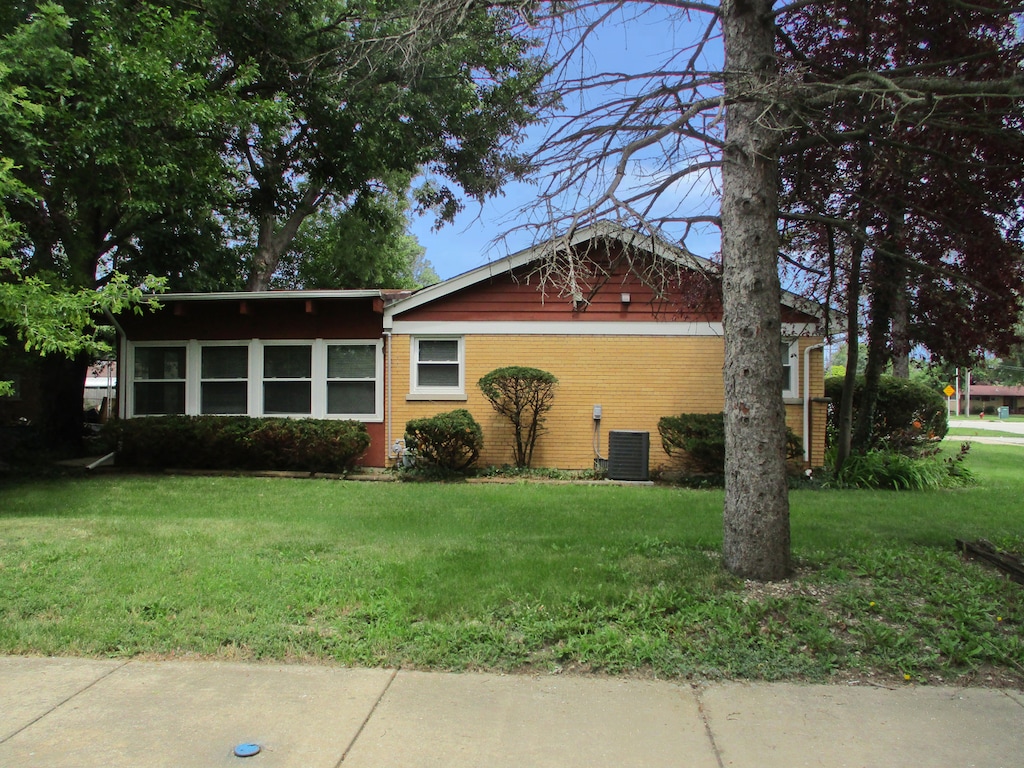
[(122, 359), (387, 392), (807, 400)]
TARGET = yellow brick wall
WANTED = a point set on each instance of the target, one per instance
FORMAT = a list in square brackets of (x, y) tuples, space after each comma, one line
[(636, 380)]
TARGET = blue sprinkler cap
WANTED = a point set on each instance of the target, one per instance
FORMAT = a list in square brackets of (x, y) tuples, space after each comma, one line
[(247, 750)]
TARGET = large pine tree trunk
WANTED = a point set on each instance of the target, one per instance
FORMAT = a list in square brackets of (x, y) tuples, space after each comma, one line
[(756, 515)]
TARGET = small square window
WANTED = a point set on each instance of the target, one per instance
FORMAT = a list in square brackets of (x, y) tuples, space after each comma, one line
[(438, 366)]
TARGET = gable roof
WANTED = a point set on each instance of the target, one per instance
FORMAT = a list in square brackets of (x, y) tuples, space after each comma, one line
[(602, 230)]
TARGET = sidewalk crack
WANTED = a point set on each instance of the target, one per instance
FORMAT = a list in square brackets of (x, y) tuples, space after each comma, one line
[(707, 726), (366, 720), (60, 704)]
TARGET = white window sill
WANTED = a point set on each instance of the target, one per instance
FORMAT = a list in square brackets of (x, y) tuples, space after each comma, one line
[(793, 400), (460, 396)]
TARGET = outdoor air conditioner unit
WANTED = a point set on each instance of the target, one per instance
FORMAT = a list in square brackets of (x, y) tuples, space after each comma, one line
[(628, 455)]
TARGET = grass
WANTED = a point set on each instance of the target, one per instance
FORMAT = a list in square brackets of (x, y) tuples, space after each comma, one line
[(979, 432), (510, 577)]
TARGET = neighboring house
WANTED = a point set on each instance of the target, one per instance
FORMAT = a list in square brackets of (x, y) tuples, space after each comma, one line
[(993, 397), (100, 388), (387, 357)]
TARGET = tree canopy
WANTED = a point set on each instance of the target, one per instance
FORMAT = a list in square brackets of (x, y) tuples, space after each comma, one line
[(363, 245), (193, 140)]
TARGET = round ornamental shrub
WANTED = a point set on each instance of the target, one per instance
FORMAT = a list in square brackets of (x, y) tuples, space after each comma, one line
[(909, 415), (448, 441), (523, 396)]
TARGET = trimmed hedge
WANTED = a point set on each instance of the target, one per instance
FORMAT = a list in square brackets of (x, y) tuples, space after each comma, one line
[(239, 442), (698, 440), (909, 415), (448, 441)]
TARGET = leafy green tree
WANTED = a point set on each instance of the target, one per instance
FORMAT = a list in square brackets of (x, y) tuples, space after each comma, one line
[(363, 245), (123, 137), (363, 91), (53, 320), (522, 395)]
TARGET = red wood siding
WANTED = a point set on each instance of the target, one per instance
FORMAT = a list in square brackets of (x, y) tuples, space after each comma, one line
[(518, 296), (376, 454)]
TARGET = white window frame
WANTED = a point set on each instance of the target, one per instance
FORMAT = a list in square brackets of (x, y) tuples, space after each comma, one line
[(199, 374), (260, 405), (378, 381), (318, 376), (793, 391), (129, 391), (425, 392)]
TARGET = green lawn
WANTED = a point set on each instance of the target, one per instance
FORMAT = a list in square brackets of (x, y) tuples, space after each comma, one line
[(510, 577), (979, 432)]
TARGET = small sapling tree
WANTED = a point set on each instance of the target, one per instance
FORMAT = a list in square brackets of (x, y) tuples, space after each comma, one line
[(522, 395)]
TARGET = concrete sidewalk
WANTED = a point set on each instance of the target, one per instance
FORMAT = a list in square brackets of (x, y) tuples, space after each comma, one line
[(84, 713)]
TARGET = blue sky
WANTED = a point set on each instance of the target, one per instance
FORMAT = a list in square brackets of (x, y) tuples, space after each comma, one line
[(478, 235)]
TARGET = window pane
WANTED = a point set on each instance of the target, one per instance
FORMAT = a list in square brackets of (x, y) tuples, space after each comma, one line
[(446, 351), (159, 362), (287, 362), (224, 397), (355, 397), (225, 362), (438, 376), (352, 361), (293, 397), (158, 398)]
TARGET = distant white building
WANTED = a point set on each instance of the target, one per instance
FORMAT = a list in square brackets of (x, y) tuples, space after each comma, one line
[(101, 389)]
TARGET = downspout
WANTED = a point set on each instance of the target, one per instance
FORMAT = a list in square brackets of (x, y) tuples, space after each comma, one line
[(807, 401), (387, 393), (121, 357)]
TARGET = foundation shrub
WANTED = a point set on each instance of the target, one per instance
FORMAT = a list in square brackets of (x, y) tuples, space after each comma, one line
[(239, 442), (450, 441), (697, 442)]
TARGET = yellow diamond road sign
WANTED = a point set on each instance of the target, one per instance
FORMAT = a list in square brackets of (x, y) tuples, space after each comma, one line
[(949, 391)]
